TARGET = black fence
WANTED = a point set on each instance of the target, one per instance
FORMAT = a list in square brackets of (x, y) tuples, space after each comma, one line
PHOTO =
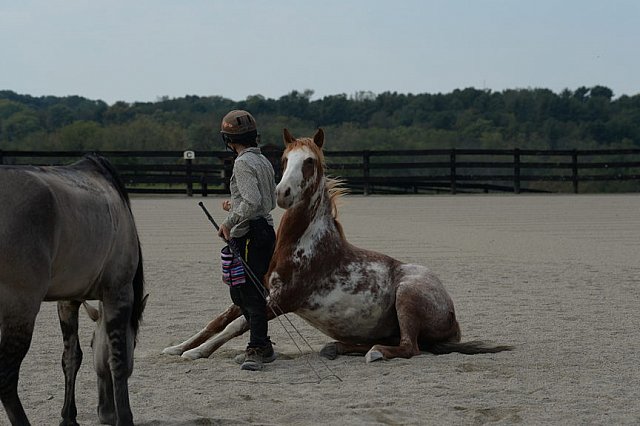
[(368, 172)]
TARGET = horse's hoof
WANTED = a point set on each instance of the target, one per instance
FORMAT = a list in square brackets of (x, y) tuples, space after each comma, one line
[(172, 350), (192, 354), (329, 351), (373, 355), (107, 418), (66, 422)]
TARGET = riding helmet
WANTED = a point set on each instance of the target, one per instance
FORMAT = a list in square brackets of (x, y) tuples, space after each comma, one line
[(238, 126)]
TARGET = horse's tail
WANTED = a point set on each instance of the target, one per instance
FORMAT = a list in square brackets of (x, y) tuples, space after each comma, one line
[(139, 298), (468, 348), (109, 171)]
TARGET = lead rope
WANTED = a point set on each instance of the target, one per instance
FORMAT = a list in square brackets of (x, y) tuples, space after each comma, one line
[(258, 284)]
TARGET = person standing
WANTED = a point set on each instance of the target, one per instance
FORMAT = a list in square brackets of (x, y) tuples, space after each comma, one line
[(249, 228)]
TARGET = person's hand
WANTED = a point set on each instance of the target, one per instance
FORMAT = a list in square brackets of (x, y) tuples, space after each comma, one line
[(224, 233), (226, 205)]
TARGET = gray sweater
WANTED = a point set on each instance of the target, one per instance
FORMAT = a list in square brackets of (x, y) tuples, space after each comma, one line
[(253, 191)]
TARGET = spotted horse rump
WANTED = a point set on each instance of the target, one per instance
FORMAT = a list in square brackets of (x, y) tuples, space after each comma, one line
[(368, 302)]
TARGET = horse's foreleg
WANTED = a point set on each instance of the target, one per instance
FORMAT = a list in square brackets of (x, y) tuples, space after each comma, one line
[(236, 328), (15, 338), (71, 358), (215, 326)]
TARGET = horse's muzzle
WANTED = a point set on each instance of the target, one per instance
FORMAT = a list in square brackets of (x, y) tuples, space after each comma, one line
[(283, 197)]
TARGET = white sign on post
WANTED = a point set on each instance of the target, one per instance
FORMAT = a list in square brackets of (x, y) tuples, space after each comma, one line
[(189, 155)]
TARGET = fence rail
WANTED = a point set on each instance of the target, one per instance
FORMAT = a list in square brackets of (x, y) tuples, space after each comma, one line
[(368, 172)]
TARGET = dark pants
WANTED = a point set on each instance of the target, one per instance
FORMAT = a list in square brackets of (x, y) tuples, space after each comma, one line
[(256, 248)]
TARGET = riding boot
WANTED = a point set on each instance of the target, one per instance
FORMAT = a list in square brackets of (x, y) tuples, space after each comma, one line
[(261, 355)]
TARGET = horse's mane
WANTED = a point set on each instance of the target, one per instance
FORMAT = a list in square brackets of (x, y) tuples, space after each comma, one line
[(107, 169), (336, 190)]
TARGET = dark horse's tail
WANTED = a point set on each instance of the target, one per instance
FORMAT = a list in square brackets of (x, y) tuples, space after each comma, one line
[(139, 298), (468, 348)]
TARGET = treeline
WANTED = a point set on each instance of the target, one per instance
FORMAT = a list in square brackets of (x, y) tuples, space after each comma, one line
[(584, 118)]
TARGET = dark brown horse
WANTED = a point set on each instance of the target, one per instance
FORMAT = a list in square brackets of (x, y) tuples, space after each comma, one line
[(67, 234), (368, 302)]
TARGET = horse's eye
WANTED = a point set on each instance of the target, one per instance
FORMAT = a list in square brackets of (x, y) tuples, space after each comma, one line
[(308, 161)]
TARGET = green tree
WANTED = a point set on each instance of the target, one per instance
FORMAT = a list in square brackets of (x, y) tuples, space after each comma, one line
[(80, 135), (20, 124)]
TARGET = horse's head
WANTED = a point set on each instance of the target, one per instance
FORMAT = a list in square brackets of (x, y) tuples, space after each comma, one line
[(302, 168)]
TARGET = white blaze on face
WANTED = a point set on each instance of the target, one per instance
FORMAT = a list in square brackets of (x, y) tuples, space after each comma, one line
[(293, 183)]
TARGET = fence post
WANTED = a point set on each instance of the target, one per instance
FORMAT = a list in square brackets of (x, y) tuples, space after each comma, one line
[(366, 155), (189, 184), (188, 157), (203, 184), (1, 157), (574, 170), (516, 170), (452, 165)]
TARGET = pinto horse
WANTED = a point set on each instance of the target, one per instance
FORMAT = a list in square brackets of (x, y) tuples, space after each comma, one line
[(368, 302), (67, 234)]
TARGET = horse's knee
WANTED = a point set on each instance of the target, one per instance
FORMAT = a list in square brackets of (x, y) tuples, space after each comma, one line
[(13, 348), (8, 381), (72, 358)]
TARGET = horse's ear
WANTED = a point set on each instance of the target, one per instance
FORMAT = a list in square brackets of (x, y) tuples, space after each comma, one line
[(318, 138), (287, 137)]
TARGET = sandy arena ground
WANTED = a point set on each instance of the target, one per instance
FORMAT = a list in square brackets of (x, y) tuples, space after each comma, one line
[(557, 276)]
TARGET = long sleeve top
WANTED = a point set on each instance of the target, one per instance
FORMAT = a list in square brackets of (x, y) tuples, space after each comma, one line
[(253, 191)]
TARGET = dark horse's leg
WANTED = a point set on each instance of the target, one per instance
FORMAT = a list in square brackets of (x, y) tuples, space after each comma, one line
[(15, 339), (71, 358), (106, 407), (113, 360)]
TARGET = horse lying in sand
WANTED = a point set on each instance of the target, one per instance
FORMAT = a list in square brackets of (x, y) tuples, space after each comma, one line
[(368, 302), (67, 233)]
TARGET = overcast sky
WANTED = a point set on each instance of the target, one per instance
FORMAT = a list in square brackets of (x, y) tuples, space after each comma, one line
[(140, 50)]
